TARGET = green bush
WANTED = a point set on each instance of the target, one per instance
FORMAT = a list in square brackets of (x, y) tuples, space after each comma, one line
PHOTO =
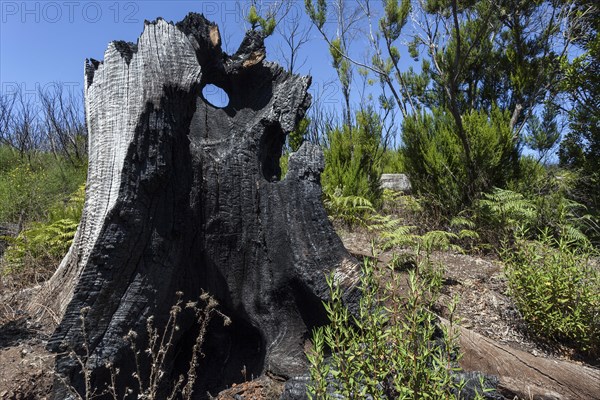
[(498, 215), (30, 187), (37, 250), (393, 162), (387, 352), (555, 286), (532, 177), (353, 159), (435, 160)]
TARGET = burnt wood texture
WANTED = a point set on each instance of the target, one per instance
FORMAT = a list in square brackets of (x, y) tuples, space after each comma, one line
[(185, 196)]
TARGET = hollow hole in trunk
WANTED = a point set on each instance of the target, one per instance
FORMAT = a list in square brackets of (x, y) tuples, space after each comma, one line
[(271, 147), (215, 96)]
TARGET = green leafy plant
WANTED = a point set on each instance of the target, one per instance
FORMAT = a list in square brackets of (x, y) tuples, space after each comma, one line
[(435, 161), (30, 188), (393, 162), (392, 233), (501, 212), (37, 250), (267, 24), (353, 159), (555, 286), (350, 210), (387, 349), (405, 208), (497, 216)]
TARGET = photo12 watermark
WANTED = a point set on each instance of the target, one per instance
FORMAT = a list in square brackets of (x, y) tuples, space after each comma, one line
[(53, 12), (33, 91)]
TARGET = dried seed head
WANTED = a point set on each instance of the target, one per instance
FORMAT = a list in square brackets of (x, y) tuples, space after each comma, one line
[(191, 304), (131, 335)]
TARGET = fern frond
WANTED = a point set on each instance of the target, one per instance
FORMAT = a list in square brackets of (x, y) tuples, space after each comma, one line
[(468, 234), (459, 222), (573, 234), (349, 209), (439, 240), (401, 236), (378, 222)]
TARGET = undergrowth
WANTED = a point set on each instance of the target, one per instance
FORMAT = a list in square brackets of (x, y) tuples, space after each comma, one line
[(551, 265), (393, 347), (37, 250), (30, 187), (555, 285)]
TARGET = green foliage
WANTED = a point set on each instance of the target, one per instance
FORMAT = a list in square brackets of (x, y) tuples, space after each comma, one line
[(353, 159), (350, 210), (503, 212), (392, 233), (386, 350), (296, 137), (294, 141), (283, 164), (543, 134), (266, 24), (41, 246), (40, 193), (393, 162), (581, 148), (436, 163), (394, 19), (555, 286), (499, 215), (318, 14), (30, 187), (406, 208), (532, 177)]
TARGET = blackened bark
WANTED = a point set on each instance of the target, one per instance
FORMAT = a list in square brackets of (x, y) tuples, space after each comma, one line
[(185, 196)]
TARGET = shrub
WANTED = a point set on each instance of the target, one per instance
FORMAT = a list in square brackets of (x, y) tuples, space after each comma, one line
[(36, 251), (29, 188), (387, 350), (353, 159), (532, 177), (555, 286), (435, 159), (393, 162)]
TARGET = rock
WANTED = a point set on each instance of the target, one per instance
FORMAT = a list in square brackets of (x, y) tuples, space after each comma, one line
[(296, 389), (477, 384), (396, 182)]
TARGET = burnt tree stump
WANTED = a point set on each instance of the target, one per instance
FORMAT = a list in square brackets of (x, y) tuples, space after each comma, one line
[(185, 196)]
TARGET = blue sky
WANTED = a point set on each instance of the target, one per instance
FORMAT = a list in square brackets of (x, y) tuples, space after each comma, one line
[(43, 42)]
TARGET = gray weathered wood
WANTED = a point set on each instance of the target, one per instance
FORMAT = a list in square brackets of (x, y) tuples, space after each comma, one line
[(526, 376), (184, 196)]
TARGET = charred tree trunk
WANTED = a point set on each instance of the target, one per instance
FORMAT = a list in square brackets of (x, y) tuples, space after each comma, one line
[(185, 196)]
